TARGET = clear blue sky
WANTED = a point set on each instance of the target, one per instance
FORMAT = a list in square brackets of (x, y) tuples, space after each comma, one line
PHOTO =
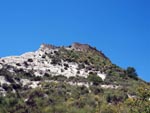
[(120, 28)]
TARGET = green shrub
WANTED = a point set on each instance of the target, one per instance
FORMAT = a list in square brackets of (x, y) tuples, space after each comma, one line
[(95, 79), (131, 72)]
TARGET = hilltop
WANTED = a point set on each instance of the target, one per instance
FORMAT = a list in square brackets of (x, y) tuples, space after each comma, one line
[(67, 79)]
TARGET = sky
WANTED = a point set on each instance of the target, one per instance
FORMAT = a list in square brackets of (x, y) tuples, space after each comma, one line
[(119, 28)]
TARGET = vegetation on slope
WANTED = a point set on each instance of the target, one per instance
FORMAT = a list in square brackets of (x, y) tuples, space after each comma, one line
[(59, 94), (64, 98)]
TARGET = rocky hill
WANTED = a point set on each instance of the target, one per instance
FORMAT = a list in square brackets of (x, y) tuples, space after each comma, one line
[(52, 76)]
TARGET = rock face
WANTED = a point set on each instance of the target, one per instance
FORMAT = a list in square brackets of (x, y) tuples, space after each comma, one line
[(75, 65), (67, 79), (80, 47), (40, 63), (65, 62)]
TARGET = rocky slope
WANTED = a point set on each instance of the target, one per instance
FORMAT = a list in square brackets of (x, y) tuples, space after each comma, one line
[(72, 61), (40, 63), (75, 61), (69, 79)]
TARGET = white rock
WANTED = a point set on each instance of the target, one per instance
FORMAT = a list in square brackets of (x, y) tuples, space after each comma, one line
[(110, 86), (3, 81), (40, 65), (103, 76), (34, 84), (25, 81), (1, 66)]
